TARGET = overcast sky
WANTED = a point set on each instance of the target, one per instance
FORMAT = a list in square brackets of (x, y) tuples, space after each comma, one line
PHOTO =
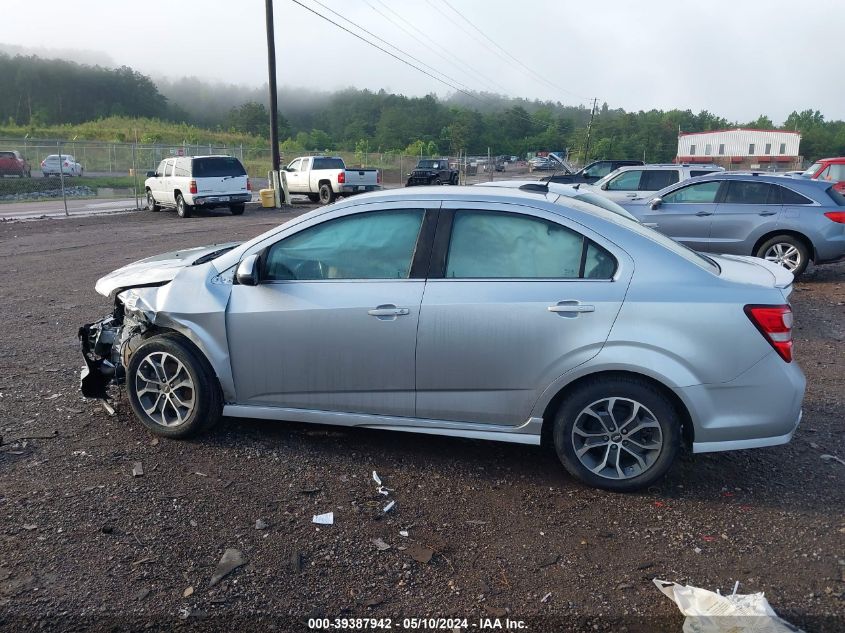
[(737, 59)]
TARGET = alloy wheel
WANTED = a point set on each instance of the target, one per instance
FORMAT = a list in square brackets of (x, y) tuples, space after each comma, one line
[(165, 389), (784, 254), (617, 438)]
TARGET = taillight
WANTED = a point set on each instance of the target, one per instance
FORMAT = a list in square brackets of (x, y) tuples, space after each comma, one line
[(378, 177), (775, 324), (341, 177), (43, 163), (836, 216), (248, 185), (193, 186)]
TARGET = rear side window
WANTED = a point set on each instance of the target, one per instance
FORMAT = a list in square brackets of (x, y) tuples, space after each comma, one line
[(745, 192), (168, 170), (657, 179), (181, 168), (787, 196), (217, 167), (492, 245), (328, 163)]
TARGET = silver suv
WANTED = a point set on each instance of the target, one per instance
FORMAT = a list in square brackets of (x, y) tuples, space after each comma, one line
[(641, 181)]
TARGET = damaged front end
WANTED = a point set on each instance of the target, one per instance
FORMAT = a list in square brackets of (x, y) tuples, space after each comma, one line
[(108, 343)]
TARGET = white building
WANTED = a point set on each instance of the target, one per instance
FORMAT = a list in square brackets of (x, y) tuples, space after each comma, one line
[(742, 149)]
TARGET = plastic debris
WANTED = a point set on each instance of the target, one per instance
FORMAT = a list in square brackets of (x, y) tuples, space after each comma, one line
[(403, 533), (709, 612), (380, 544), (231, 560), (546, 597), (188, 592), (137, 469), (261, 524), (832, 458), (389, 506), (326, 518)]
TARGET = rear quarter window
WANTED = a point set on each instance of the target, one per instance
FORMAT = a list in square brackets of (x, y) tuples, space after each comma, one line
[(837, 197)]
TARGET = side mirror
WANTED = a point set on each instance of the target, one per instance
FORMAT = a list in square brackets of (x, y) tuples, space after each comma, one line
[(604, 187), (151, 174), (247, 271), (655, 203)]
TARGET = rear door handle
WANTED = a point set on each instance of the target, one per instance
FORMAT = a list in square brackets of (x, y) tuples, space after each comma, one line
[(701, 214), (767, 213), (571, 309), (388, 312)]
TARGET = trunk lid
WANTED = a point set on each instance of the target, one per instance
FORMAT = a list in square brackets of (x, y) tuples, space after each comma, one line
[(753, 270), (158, 269), (224, 185)]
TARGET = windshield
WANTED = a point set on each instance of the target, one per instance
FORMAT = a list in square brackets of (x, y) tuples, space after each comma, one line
[(431, 164), (812, 170)]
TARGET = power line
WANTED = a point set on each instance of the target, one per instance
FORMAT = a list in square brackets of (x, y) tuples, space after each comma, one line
[(509, 55), (393, 46), (468, 69)]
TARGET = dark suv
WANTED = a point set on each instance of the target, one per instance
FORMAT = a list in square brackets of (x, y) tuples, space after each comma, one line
[(432, 171), (592, 172)]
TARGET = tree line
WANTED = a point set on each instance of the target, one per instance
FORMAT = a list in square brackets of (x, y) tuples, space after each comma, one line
[(36, 92)]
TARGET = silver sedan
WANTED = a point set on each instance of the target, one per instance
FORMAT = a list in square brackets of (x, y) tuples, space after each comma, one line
[(497, 314)]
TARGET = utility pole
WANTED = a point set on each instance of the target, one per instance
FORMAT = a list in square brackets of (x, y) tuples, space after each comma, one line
[(589, 130), (274, 106)]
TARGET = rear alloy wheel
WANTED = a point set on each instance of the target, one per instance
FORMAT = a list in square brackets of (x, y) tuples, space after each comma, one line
[(237, 209), (619, 434), (151, 202), (172, 389), (183, 209), (326, 194), (786, 251)]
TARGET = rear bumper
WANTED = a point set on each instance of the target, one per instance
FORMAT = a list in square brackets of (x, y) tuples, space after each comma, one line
[(221, 199), (761, 407), (347, 190)]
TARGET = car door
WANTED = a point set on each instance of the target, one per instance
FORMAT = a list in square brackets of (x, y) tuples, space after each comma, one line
[(684, 214), (157, 182), (332, 324), (168, 182), (512, 303), (744, 206), (294, 176)]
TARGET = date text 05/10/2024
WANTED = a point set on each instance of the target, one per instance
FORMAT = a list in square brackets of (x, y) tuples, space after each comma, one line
[(417, 624)]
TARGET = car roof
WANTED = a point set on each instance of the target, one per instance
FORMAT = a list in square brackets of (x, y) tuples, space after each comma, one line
[(812, 188), (835, 159)]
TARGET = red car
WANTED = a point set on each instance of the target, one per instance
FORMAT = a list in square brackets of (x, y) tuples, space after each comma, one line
[(830, 169), (14, 164)]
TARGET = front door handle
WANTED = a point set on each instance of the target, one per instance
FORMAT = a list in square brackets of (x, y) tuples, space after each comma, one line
[(388, 312), (767, 213), (701, 214), (571, 309)]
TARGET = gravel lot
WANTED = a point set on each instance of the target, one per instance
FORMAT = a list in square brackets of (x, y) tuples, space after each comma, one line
[(83, 543)]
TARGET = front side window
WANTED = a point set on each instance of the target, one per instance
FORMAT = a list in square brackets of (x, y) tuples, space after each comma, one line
[(160, 168), (745, 192), (700, 192), (372, 245), (657, 179), (492, 245), (294, 166), (626, 181), (598, 171)]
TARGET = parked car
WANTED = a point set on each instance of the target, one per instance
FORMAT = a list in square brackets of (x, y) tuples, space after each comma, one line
[(831, 170), (434, 171), (323, 178), (646, 180), (462, 311), (198, 182), (13, 163), (65, 164), (591, 173), (563, 191), (542, 163), (788, 221)]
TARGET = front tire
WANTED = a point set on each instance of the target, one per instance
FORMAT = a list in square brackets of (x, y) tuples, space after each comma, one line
[(437, 182), (454, 179), (183, 209), (327, 195), (172, 388), (151, 202), (620, 434), (314, 197), (786, 251)]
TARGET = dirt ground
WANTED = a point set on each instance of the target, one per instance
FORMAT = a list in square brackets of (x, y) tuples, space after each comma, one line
[(85, 544)]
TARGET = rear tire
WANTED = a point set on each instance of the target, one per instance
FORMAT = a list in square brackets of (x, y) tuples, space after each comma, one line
[(314, 197), (183, 209), (327, 195), (172, 388), (151, 202), (237, 209), (620, 434), (786, 251)]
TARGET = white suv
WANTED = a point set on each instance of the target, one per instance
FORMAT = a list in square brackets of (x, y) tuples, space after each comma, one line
[(187, 182), (639, 181)]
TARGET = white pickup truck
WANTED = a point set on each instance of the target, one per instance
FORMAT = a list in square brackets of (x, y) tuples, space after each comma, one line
[(323, 178)]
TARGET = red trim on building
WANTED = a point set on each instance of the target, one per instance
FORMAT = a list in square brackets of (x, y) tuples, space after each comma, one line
[(738, 129), (737, 159)]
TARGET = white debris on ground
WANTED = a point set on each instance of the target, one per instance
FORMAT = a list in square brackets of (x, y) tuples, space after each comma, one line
[(709, 612)]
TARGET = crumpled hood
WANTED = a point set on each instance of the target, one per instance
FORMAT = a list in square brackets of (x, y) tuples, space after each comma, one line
[(158, 269)]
